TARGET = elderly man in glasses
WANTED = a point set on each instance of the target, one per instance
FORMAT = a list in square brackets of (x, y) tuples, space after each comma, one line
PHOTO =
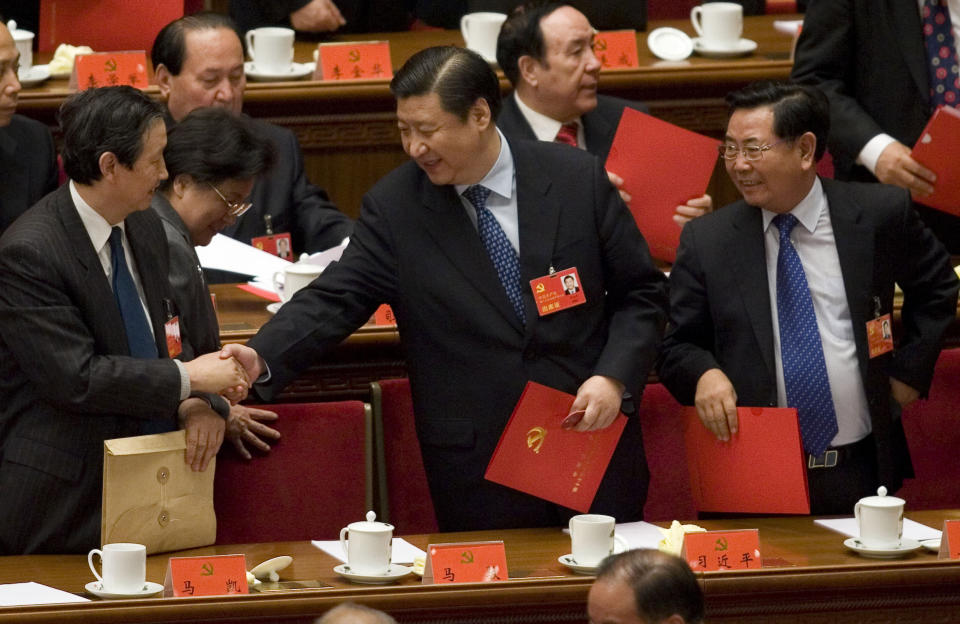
[(779, 299), (205, 191)]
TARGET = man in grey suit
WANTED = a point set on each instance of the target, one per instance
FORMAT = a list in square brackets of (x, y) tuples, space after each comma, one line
[(546, 51), (451, 240), (198, 60), (772, 299), (84, 301)]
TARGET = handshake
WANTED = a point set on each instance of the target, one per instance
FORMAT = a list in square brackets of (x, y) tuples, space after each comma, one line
[(229, 372)]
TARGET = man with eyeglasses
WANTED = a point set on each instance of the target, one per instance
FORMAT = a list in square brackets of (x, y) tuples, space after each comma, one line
[(772, 300)]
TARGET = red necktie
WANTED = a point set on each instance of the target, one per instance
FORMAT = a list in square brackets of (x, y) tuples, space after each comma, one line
[(567, 134)]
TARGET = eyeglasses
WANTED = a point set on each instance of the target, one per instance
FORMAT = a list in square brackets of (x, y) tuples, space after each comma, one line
[(752, 153), (234, 209)]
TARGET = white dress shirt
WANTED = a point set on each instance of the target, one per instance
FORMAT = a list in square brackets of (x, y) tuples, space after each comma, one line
[(502, 202), (546, 128)]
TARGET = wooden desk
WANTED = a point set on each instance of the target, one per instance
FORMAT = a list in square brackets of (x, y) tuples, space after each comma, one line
[(809, 576), (348, 130)]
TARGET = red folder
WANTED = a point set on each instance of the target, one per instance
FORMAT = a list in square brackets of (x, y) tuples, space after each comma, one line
[(662, 166), (762, 469), (936, 149), (537, 456)]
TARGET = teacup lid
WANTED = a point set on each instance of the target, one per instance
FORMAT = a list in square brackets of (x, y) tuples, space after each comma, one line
[(18, 35), (882, 500), (370, 525)]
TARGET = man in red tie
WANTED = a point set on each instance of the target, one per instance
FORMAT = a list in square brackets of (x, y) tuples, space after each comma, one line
[(546, 51)]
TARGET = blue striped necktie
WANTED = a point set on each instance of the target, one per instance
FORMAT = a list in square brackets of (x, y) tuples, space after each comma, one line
[(139, 338)]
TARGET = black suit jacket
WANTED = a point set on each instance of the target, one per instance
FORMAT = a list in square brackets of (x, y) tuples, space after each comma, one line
[(868, 56), (599, 125), (469, 357), (720, 315), (603, 14), (28, 167), (67, 382)]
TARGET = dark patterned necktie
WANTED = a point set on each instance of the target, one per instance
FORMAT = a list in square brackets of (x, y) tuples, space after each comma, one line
[(941, 53), (139, 338), (567, 134), (498, 247)]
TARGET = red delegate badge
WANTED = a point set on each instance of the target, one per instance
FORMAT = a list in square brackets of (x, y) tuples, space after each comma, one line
[(558, 291)]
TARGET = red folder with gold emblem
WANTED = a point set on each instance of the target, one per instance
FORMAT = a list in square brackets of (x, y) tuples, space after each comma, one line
[(538, 456)]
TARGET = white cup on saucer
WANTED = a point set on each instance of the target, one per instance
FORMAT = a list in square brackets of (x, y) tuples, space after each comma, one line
[(271, 49), (880, 519), (24, 42), (592, 538), (719, 24), (480, 32), (294, 277), (369, 547), (124, 567)]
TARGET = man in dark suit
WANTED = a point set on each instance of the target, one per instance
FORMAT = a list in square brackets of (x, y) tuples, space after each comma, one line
[(467, 318), (869, 57), (734, 314), (198, 61), (546, 51), (83, 304), (28, 162)]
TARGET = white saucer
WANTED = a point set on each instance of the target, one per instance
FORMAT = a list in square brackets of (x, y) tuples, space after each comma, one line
[(670, 44), (907, 546), (34, 76), (932, 544), (396, 572), (743, 47), (149, 589), (568, 561), (274, 307), (297, 71)]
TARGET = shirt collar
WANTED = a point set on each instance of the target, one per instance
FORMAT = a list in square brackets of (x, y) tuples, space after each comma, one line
[(544, 127), (98, 229), (807, 211), (500, 177)]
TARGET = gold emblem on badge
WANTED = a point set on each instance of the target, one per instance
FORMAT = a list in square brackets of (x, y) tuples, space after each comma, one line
[(541, 287), (535, 438)]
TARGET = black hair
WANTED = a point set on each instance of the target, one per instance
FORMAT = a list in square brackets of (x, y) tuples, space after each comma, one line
[(662, 584), (170, 46), (458, 76), (521, 35), (797, 109)]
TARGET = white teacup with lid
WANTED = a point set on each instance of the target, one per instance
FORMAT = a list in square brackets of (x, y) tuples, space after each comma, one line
[(880, 519), (369, 547)]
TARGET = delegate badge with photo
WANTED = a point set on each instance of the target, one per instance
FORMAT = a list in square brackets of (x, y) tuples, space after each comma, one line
[(276, 244), (557, 291), (174, 342), (880, 335)]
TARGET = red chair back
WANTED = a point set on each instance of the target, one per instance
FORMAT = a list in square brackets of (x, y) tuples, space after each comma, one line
[(316, 479)]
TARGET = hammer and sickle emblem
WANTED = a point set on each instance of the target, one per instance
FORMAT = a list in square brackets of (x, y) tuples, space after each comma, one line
[(535, 438), (541, 288)]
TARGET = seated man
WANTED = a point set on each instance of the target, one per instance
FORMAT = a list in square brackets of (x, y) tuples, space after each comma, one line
[(28, 162), (203, 193), (84, 301), (772, 299), (198, 61), (645, 587), (546, 51)]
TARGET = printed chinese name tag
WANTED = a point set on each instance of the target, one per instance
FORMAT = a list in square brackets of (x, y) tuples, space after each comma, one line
[(217, 575), (723, 550), (557, 291), (357, 60), (109, 69), (467, 562)]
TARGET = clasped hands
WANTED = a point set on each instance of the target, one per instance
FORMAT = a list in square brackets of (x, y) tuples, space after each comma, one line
[(217, 375)]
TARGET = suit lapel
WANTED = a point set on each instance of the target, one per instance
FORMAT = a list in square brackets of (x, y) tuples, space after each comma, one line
[(598, 132), (750, 264), (152, 272), (512, 121), (904, 19)]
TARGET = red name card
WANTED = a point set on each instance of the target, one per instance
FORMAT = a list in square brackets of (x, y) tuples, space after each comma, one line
[(357, 60), (950, 540), (616, 49), (109, 69), (723, 550), (218, 575), (467, 562), (384, 316)]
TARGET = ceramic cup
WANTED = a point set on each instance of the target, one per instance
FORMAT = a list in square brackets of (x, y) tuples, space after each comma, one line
[(124, 567), (592, 538), (880, 519), (719, 24), (295, 277), (24, 42), (271, 49), (480, 32), (369, 545)]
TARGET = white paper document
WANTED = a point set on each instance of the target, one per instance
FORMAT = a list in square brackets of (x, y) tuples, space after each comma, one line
[(226, 254), (403, 551), (849, 527), (19, 594)]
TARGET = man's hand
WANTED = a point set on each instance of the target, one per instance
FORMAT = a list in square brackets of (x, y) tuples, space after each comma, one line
[(317, 16), (902, 393), (245, 425), (204, 428), (212, 373), (896, 166), (696, 207), (599, 397), (617, 182), (716, 402), (252, 363)]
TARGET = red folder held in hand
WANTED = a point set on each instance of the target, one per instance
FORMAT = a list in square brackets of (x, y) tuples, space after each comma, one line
[(537, 456), (762, 469), (936, 149), (662, 166)]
